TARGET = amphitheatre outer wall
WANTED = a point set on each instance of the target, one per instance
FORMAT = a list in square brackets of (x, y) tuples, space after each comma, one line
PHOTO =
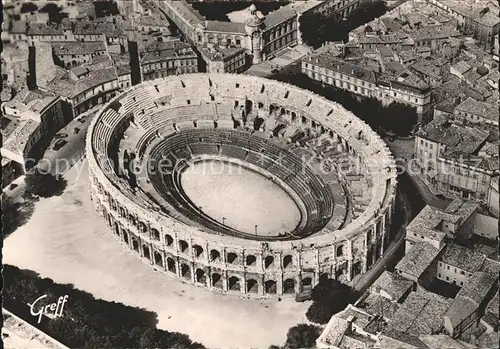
[(225, 263)]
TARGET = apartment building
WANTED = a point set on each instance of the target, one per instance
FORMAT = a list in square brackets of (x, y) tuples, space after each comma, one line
[(406, 88), (224, 59), (451, 160)]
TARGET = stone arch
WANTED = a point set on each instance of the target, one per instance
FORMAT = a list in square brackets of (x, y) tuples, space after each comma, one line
[(214, 255), (186, 271), (282, 111), (368, 236), (248, 106), (252, 286), (198, 250), (171, 265), (340, 250), (294, 116), (158, 258), (201, 276), (145, 251), (232, 257), (117, 229), (234, 283), (155, 234), (307, 283), (217, 280), (125, 237), (288, 261), (183, 246), (169, 240), (135, 245), (270, 287), (260, 105), (131, 219), (142, 227), (251, 260), (303, 119), (272, 108), (269, 262), (289, 286)]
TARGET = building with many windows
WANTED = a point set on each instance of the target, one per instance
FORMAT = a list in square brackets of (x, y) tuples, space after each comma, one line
[(406, 88), (224, 59), (167, 58), (457, 160), (262, 36)]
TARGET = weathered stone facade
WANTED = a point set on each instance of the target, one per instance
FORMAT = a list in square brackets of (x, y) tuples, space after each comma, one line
[(221, 262)]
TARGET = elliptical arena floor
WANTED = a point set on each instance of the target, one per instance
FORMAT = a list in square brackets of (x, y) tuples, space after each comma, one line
[(239, 197)]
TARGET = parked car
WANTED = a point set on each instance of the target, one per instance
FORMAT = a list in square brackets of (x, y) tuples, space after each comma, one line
[(59, 144), (76, 130), (60, 135)]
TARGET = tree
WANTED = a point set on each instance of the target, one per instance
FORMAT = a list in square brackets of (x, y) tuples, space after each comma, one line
[(400, 118), (44, 185), (302, 336), (366, 12), (54, 11), (28, 7), (14, 214), (329, 297)]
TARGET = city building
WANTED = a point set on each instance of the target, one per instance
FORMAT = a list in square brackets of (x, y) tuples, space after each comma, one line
[(262, 36), (451, 160), (36, 116), (167, 58), (479, 17), (224, 59), (405, 88), (435, 226), (73, 53)]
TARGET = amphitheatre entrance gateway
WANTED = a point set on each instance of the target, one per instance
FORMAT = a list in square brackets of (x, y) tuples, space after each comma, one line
[(241, 184), (240, 198)]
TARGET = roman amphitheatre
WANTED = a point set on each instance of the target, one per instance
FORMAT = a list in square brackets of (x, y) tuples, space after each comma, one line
[(241, 185)]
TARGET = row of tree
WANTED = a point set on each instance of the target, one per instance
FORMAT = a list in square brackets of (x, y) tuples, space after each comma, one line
[(397, 117), (318, 28), (86, 322)]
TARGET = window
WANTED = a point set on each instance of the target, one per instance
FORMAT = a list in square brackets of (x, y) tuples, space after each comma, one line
[(462, 272), (238, 42), (237, 85), (448, 267), (431, 145), (439, 275), (447, 278)]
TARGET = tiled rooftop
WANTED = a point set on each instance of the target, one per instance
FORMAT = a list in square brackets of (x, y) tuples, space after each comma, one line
[(70, 89), (187, 11), (484, 12), (220, 53), (421, 313), (375, 304), (226, 27), (341, 66), (459, 140), (20, 136), (463, 208), (395, 285), (462, 257), (470, 296), (78, 48), (417, 259), (485, 110)]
